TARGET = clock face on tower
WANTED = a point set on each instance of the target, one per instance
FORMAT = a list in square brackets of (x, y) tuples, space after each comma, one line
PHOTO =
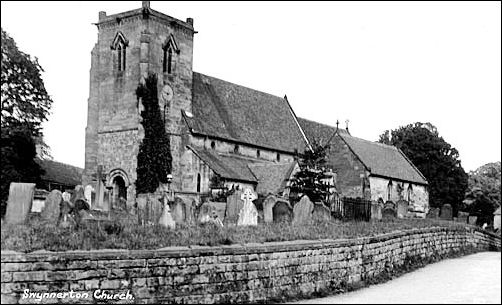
[(167, 93)]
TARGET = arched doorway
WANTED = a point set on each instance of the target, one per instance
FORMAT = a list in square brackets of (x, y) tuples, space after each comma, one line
[(119, 192)]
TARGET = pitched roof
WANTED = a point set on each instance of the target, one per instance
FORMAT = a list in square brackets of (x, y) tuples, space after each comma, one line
[(229, 111), (272, 177), (226, 165), (380, 159), (60, 172)]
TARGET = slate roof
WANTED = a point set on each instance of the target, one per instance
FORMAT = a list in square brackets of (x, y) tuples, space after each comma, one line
[(226, 165), (272, 177), (232, 112), (380, 159), (61, 173)]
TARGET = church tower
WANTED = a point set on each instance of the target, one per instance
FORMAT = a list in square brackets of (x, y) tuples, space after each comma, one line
[(130, 45)]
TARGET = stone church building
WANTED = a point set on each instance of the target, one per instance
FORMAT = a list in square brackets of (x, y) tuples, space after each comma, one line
[(245, 137)]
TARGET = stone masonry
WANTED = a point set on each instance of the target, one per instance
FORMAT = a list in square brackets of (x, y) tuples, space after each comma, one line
[(230, 274)]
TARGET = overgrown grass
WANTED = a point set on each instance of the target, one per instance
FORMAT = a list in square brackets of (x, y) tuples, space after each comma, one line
[(123, 234)]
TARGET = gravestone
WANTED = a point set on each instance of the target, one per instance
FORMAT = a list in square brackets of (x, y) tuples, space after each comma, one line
[(446, 212), (268, 205), (321, 212), (302, 211), (19, 202), (463, 217), (140, 206), (50, 212), (282, 211), (248, 216), (433, 213), (178, 210), (65, 215), (234, 206), (88, 194), (166, 219), (389, 210), (473, 220), (376, 210), (402, 208), (66, 196)]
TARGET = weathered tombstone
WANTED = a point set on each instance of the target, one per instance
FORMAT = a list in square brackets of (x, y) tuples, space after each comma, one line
[(433, 213), (402, 208), (88, 190), (376, 210), (66, 196), (389, 210), (178, 210), (473, 220), (302, 211), (248, 216), (166, 220), (282, 211), (463, 217), (446, 212), (141, 203), (234, 206), (268, 205), (19, 202), (321, 212), (50, 212), (65, 215)]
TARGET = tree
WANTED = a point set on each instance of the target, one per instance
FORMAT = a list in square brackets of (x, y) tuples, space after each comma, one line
[(436, 159), (482, 197), (154, 157), (25, 104), (309, 179)]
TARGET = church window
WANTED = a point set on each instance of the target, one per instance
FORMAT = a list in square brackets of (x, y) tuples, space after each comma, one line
[(236, 149), (389, 190), (409, 192), (258, 153), (213, 145), (119, 44), (198, 183), (278, 157), (170, 48), (168, 60)]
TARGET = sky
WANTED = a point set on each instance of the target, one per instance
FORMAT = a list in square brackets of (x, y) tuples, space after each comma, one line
[(379, 65)]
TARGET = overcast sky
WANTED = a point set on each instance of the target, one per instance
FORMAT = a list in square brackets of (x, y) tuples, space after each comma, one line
[(380, 65)]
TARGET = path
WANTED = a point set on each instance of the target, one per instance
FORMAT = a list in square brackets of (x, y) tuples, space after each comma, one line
[(471, 279)]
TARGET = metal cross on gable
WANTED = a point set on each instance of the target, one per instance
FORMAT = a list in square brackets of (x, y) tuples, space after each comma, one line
[(248, 195)]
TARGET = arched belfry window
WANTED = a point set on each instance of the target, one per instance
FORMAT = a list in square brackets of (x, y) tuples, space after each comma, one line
[(119, 45), (170, 50)]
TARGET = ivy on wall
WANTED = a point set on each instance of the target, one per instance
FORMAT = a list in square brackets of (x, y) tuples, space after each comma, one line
[(154, 157)]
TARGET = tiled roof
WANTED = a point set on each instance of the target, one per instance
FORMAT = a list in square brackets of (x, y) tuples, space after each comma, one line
[(226, 165), (380, 159), (61, 173), (272, 177), (225, 110)]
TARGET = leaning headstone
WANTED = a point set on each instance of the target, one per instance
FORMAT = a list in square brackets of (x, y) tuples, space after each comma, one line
[(473, 220), (234, 206), (282, 211), (376, 210), (268, 205), (402, 208), (321, 212), (389, 210), (446, 212), (19, 202), (433, 213), (178, 210), (166, 220), (463, 217), (248, 216), (88, 194), (302, 211), (50, 212)]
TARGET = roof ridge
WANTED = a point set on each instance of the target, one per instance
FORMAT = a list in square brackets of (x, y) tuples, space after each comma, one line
[(324, 124), (371, 142), (234, 84)]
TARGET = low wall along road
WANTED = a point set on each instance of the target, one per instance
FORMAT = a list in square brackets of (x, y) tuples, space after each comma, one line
[(235, 273)]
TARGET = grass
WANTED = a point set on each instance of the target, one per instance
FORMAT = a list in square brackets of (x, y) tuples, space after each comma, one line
[(124, 234)]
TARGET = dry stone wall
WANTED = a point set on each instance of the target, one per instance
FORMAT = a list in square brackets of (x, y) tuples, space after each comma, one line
[(234, 273)]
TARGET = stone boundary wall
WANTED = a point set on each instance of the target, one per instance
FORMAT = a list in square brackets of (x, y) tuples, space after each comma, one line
[(235, 273)]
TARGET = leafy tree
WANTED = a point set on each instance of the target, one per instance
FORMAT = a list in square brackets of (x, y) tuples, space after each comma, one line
[(309, 179), (154, 157), (25, 104), (436, 159), (482, 197)]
